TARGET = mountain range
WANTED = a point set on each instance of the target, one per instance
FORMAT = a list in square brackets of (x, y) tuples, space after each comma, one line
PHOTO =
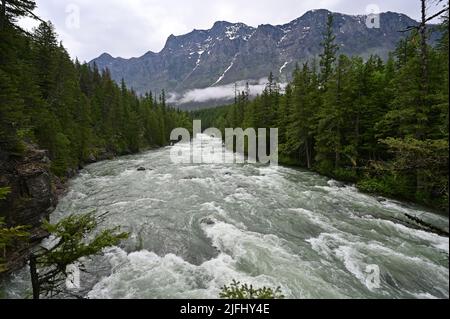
[(200, 68)]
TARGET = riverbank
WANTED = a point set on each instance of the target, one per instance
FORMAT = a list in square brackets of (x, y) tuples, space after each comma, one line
[(350, 179), (38, 191)]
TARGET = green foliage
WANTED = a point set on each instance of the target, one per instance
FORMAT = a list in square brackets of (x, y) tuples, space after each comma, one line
[(9, 236), (387, 185), (411, 153), (76, 236), (345, 174), (4, 191), (426, 162), (71, 233), (10, 113), (236, 290), (14, 9), (328, 57)]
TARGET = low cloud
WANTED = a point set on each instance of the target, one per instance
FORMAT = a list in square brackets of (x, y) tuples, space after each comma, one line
[(223, 92)]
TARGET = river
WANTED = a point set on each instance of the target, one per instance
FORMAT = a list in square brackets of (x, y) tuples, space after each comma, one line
[(196, 227)]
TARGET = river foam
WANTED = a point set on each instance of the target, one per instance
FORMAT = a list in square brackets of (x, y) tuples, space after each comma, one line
[(197, 227)]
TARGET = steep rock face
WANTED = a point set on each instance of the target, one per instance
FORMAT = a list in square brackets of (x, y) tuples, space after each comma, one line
[(33, 195), (232, 52)]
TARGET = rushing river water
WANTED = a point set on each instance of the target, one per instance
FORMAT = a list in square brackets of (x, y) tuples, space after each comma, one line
[(196, 227)]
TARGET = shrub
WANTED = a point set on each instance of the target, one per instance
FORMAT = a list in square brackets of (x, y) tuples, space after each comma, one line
[(345, 175), (243, 291)]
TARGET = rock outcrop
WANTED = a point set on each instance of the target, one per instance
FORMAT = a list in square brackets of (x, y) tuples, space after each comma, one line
[(33, 196)]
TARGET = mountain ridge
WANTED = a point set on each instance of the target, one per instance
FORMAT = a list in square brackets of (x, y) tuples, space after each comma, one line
[(233, 23), (236, 52)]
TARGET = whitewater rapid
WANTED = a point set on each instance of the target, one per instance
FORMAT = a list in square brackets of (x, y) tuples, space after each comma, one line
[(196, 227)]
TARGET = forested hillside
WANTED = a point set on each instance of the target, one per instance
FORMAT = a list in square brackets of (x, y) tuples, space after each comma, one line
[(77, 113), (381, 125)]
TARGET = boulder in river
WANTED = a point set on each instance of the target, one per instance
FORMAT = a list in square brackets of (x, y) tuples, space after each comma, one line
[(207, 221), (334, 183), (381, 199)]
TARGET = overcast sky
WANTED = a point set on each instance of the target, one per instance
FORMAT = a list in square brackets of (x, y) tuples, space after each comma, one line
[(131, 28)]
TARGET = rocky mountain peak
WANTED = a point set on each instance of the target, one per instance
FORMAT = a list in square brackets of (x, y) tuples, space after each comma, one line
[(235, 52), (106, 56), (221, 25)]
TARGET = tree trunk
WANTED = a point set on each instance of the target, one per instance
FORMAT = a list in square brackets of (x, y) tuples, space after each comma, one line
[(337, 144), (3, 15), (34, 277), (308, 154), (423, 66), (338, 147), (424, 79), (423, 46), (337, 160)]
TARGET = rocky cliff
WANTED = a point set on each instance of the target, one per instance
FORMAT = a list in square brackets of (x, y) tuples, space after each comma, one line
[(234, 52), (33, 196)]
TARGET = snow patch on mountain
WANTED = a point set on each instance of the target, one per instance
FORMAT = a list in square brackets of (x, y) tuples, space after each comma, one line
[(283, 37), (199, 58), (232, 32), (197, 64), (227, 69), (283, 66)]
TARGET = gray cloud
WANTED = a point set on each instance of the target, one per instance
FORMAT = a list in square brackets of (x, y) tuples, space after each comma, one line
[(223, 92), (133, 27)]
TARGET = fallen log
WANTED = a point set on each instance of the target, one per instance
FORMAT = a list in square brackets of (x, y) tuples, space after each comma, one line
[(428, 226)]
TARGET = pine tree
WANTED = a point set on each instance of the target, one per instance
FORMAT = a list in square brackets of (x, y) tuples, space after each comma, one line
[(299, 130), (283, 115), (328, 55), (10, 114), (11, 10), (45, 46)]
